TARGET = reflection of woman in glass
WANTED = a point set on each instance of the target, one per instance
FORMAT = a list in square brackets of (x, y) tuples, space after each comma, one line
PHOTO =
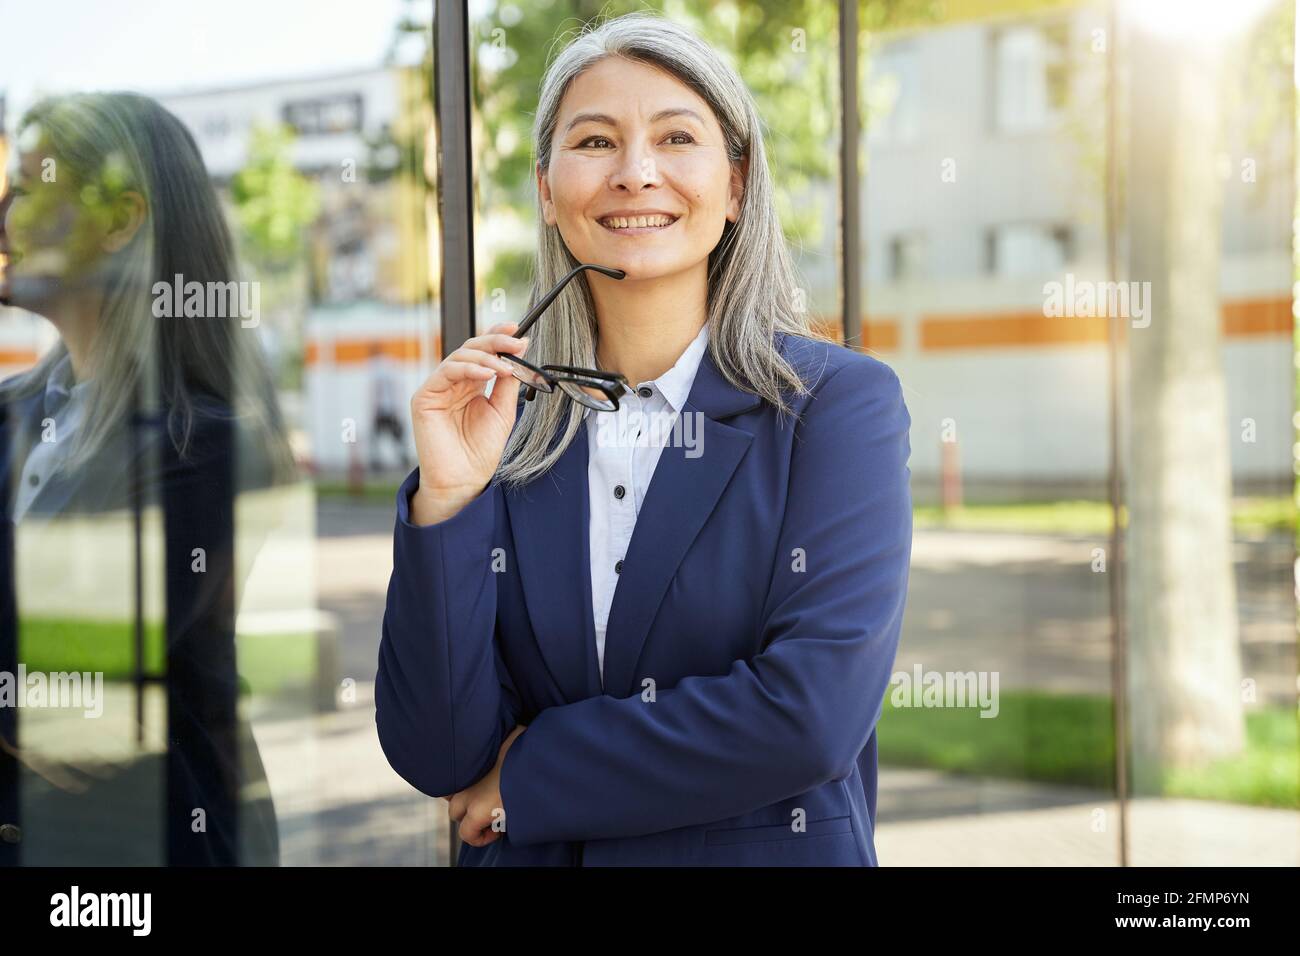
[(598, 668), (128, 411)]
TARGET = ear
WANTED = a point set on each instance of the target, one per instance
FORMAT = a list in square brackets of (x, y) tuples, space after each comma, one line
[(739, 176), (128, 216), (544, 192)]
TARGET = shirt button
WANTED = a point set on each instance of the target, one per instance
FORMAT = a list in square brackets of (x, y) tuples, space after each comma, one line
[(10, 833), (618, 567), (619, 491), (645, 391), (33, 480)]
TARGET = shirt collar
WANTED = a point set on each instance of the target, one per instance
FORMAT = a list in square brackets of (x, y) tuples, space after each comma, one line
[(61, 385), (675, 384)]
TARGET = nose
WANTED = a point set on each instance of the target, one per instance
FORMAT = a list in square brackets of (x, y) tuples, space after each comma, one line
[(636, 169)]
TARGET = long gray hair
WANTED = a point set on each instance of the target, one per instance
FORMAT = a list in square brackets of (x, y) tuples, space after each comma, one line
[(120, 141), (752, 281)]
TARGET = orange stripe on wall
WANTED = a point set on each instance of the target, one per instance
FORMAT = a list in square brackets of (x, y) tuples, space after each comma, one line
[(1001, 329), (23, 357), (878, 334), (940, 332), (407, 348), (1243, 317), (1257, 317)]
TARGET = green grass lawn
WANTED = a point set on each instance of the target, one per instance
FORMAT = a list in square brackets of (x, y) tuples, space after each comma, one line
[(376, 493), (1068, 740), (1250, 516), (267, 664)]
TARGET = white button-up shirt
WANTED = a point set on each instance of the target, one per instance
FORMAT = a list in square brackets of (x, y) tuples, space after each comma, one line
[(624, 448), (64, 403)]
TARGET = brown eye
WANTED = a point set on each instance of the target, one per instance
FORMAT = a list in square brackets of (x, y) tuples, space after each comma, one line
[(591, 139), (687, 136)]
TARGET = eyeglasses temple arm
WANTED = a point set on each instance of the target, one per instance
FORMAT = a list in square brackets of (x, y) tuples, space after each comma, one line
[(535, 312)]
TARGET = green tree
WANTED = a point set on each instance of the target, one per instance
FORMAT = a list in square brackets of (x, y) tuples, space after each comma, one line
[(274, 203)]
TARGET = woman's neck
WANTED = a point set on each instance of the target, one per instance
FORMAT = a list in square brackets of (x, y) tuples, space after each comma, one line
[(645, 326), (77, 319)]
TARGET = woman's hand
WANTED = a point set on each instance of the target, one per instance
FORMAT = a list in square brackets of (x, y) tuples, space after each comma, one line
[(476, 807), (460, 433)]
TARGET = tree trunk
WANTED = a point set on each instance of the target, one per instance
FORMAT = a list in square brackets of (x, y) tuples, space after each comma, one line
[(1184, 688)]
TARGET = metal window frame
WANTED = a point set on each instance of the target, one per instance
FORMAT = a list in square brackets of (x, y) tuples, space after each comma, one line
[(455, 185)]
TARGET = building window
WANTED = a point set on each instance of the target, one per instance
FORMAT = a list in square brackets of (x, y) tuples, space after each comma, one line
[(893, 107), (1030, 77), (325, 115), (216, 127), (907, 257), (1028, 250)]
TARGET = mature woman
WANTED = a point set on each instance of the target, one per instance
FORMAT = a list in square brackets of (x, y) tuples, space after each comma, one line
[(128, 412), (609, 641)]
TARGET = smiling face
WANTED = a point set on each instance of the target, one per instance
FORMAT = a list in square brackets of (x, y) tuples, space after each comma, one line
[(639, 178)]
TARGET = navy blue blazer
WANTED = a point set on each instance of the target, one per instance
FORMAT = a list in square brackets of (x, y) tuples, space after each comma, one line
[(750, 643)]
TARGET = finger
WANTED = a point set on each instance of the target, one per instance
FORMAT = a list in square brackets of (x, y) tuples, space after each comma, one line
[(488, 359), (469, 833), (497, 342), (449, 374), (478, 832), (505, 396), (457, 804)]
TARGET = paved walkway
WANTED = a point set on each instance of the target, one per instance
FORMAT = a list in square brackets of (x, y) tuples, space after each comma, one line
[(927, 818)]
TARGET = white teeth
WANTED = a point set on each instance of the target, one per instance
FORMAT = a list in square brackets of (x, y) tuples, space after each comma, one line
[(636, 222)]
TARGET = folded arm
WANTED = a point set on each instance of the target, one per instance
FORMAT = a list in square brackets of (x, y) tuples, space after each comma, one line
[(444, 701)]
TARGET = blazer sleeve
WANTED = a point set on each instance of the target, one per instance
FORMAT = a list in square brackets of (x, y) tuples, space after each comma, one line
[(444, 701), (787, 720)]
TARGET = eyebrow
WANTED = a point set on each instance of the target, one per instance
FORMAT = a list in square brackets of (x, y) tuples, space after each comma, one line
[(610, 121)]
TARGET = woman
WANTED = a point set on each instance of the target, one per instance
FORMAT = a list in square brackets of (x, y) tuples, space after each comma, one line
[(128, 411), (719, 705)]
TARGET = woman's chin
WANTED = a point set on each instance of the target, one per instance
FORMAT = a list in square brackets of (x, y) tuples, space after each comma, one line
[(637, 268)]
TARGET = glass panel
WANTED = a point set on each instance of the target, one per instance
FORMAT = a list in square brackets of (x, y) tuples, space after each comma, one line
[(988, 291), (239, 264), (996, 743), (1210, 604)]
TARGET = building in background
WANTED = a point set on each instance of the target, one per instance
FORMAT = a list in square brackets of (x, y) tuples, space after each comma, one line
[(984, 182)]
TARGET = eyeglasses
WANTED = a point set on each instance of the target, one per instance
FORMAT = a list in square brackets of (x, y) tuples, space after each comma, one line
[(586, 386)]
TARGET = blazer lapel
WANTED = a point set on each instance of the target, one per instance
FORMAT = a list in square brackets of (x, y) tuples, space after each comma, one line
[(681, 496), (549, 518), (550, 522)]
